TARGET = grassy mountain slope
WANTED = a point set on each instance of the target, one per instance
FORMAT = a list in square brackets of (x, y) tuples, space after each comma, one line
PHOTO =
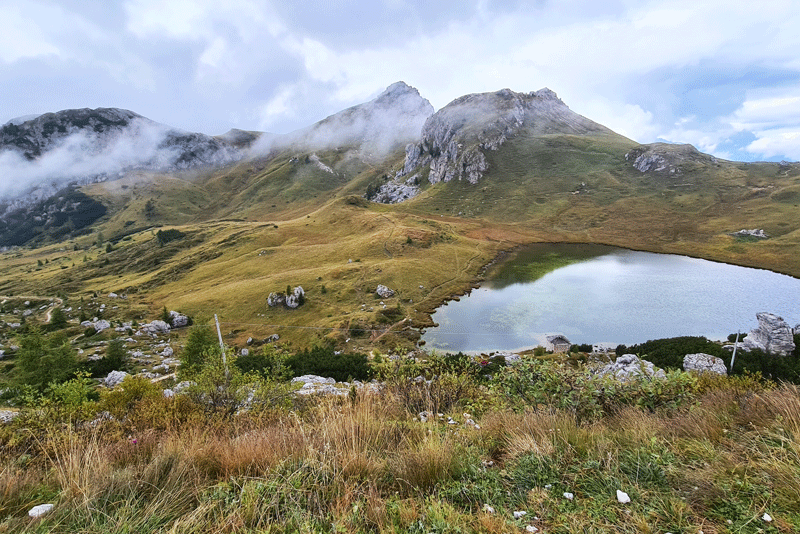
[(296, 216)]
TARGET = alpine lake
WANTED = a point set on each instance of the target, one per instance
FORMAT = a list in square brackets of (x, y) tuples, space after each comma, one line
[(597, 294)]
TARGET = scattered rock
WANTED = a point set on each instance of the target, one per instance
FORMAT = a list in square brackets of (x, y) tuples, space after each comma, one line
[(629, 366), (114, 378), (296, 298), (766, 517), (293, 300), (155, 327), (569, 496), (384, 292), (101, 325), (623, 497), (178, 320), (509, 357), (755, 232), (519, 514), (6, 416), (112, 295), (773, 336), (704, 363), (531, 528), (313, 379), (245, 352), (40, 510), (489, 509)]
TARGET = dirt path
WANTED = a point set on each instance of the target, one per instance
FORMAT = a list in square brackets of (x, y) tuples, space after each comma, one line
[(48, 314)]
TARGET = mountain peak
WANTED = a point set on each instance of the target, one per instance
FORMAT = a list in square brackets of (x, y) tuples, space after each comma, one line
[(385, 123), (455, 138)]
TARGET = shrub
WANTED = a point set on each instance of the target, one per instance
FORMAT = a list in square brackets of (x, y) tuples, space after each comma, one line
[(114, 360), (269, 363), (323, 361), (668, 353), (58, 319), (41, 361), (200, 342), (586, 395), (165, 236), (437, 385)]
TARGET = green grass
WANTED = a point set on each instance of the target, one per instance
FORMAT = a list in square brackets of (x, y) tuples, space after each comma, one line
[(366, 464)]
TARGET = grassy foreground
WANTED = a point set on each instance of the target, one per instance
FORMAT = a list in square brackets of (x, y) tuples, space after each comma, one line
[(693, 453)]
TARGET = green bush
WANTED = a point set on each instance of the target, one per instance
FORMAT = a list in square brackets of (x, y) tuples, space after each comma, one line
[(200, 342), (44, 360), (114, 360), (323, 361), (269, 363), (578, 390), (785, 368), (668, 353)]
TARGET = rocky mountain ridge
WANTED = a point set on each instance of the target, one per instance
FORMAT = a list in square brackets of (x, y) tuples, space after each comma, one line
[(83, 146), (455, 138)]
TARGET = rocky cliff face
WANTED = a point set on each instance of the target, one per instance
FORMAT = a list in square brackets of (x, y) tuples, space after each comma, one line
[(456, 138), (667, 159)]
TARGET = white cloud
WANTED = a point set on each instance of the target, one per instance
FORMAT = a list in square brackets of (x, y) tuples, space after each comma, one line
[(782, 142), (774, 118), (20, 37)]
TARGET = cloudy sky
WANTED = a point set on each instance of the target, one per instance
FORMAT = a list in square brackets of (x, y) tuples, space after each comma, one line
[(723, 75)]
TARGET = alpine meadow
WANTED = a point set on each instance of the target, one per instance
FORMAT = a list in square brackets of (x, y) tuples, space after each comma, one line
[(223, 333)]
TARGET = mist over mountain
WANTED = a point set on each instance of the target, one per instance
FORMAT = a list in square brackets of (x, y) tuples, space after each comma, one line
[(40, 155), (387, 123)]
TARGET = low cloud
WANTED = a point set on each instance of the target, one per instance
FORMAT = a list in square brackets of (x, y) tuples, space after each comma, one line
[(86, 156)]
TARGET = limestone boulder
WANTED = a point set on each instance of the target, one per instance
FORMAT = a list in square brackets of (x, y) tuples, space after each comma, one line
[(702, 363), (178, 320), (384, 292), (773, 335), (629, 366), (155, 327), (296, 298), (114, 378)]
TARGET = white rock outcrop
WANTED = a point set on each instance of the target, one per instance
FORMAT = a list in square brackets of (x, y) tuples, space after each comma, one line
[(155, 327), (629, 366), (114, 378), (384, 292), (701, 363), (178, 320), (773, 335), (296, 298)]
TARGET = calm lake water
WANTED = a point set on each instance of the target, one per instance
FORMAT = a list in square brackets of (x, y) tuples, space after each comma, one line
[(610, 296)]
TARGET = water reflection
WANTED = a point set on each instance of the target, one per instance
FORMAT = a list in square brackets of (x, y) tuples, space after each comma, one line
[(617, 297)]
